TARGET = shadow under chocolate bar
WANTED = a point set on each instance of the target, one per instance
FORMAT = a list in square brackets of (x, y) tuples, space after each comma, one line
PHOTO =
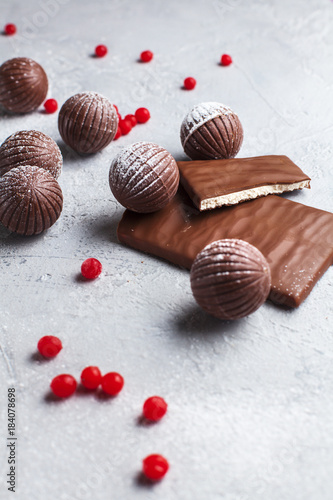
[(296, 240)]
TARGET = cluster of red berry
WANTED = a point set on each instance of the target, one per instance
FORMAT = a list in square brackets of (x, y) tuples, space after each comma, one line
[(65, 385), (154, 466), (126, 124)]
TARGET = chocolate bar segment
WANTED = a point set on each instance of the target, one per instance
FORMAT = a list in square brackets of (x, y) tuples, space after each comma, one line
[(215, 183), (296, 240)]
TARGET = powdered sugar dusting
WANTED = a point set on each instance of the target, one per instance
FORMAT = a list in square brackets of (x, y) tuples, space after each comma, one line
[(200, 114), (233, 250), (30, 200), (29, 147), (144, 177), (134, 156), (100, 101)]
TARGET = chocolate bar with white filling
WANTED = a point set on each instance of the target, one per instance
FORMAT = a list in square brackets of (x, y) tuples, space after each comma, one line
[(214, 183)]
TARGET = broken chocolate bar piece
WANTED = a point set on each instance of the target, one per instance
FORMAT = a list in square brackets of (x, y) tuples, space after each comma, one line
[(296, 240), (215, 183)]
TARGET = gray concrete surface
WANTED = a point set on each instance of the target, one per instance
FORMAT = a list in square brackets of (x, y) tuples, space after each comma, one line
[(250, 403)]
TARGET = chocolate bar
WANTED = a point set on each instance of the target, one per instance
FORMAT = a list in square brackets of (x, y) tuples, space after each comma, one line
[(296, 240), (215, 183)]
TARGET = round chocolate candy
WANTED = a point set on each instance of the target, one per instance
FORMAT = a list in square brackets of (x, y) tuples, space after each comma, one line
[(211, 131), (87, 122), (30, 200), (230, 279), (30, 147), (144, 177), (23, 85)]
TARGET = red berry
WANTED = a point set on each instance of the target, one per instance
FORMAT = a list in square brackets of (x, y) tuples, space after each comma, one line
[(63, 385), (118, 134), (49, 346), (190, 83), (10, 29), (146, 56), (155, 467), (91, 268), (125, 126), (112, 383), (142, 115), (116, 108), (154, 408), (50, 106), (226, 60), (132, 119), (91, 377), (101, 50)]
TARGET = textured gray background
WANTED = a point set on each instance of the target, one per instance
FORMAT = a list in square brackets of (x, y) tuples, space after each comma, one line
[(250, 403)]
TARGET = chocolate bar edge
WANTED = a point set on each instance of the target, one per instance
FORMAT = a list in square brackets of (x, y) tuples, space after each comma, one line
[(275, 296)]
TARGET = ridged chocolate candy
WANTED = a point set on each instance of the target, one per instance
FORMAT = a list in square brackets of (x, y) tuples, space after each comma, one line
[(87, 122), (30, 200), (23, 85), (230, 279), (211, 131), (144, 177), (30, 147)]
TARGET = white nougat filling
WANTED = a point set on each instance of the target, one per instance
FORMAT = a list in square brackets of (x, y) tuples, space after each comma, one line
[(250, 194)]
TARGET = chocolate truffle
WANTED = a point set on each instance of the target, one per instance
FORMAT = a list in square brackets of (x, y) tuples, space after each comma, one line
[(87, 122), (30, 147), (211, 131), (30, 200), (230, 279), (144, 177), (23, 85)]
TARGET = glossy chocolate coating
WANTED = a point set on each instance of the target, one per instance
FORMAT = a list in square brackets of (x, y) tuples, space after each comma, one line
[(87, 122), (30, 200), (23, 85), (211, 131), (230, 279), (237, 179), (30, 147), (144, 177), (296, 240)]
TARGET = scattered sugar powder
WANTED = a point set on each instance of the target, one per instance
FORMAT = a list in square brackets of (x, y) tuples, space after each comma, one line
[(200, 114)]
